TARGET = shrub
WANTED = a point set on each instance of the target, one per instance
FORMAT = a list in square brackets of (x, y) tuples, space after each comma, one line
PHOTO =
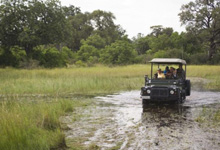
[(87, 51), (199, 58), (120, 52), (53, 58), (80, 63), (12, 56)]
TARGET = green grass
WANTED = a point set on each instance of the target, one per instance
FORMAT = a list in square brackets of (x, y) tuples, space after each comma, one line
[(211, 73), (33, 125), (73, 80), (94, 80), (209, 117)]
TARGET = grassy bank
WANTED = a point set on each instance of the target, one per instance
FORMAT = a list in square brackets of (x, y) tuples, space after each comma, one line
[(94, 80), (34, 125), (209, 117)]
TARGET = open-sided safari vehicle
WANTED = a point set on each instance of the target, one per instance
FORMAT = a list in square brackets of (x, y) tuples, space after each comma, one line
[(167, 81)]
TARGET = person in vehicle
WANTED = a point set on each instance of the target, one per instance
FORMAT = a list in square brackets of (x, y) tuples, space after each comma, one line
[(169, 73), (166, 70), (174, 73), (180, 72), (160, 74)]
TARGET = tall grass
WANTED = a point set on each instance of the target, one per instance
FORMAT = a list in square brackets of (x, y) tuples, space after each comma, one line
[(35, 125), (26, 124), (73, 80), (92, 80), (211, 73)]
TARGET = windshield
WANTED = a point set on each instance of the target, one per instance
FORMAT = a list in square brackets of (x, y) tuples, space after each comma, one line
[(168, 71)]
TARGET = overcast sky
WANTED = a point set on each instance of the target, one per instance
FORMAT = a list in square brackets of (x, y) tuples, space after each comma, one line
[(137, 16)]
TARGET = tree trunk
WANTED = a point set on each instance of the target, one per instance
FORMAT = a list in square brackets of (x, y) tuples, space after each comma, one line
[(212, 48)]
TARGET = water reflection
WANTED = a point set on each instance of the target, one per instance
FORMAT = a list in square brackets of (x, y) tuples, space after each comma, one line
[(164, 114)]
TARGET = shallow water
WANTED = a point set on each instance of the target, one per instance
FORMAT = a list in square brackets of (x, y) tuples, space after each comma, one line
[(119, 121)]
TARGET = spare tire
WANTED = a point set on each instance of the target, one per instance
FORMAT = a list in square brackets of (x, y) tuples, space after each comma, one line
[(188, 88)]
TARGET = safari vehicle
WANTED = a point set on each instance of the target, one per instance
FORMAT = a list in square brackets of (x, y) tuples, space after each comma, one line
[(172, 88)]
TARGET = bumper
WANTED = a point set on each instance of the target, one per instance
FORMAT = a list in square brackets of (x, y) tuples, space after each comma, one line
[(160, 98)]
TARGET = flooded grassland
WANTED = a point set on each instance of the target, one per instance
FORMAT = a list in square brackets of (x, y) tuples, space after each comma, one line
[(119, 121)]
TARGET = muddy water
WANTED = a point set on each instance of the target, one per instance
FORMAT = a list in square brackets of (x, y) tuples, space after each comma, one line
[(120, 122)]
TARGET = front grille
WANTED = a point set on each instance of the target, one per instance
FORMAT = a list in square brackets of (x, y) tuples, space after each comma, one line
[(159, 92)]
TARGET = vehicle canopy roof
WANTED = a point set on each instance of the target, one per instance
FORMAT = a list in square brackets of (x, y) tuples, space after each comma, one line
[(168, 61)]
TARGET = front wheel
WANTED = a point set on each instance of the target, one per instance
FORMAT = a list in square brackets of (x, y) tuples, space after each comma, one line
[(181, 99), (145, 101)]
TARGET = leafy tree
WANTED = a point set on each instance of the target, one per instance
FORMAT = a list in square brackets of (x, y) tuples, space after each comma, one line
[(80, 28), (203, 17), (103, 25), (53, 58), (141, 44), (12, 56), (159, 30), (86, 51), (31, 23), (71, 11), (94, 40), (120, 52)]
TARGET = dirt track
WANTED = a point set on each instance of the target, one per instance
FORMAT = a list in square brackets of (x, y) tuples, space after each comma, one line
[(119, 121)]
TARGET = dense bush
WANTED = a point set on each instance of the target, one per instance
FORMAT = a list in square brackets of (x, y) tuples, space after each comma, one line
[(12, 56), (120, 52), (199, 58), (87, 51), (52, 57)]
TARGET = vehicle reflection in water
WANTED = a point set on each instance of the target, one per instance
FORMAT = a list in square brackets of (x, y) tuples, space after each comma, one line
[(165, 114)]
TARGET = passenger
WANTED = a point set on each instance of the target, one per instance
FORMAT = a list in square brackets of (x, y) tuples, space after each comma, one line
[(160, 74), (174, 73), (180, 72), (169, 74), (166, 70)]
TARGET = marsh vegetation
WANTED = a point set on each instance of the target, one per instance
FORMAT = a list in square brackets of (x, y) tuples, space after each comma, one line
[(32, 101)]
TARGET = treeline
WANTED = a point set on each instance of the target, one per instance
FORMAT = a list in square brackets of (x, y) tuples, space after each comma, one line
[(45, 33)]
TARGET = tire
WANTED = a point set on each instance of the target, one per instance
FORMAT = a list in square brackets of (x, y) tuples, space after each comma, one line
[(188, 88), (145, 102), (181, 99)]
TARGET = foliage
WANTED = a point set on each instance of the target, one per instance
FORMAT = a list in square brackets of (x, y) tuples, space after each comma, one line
[(12, 56), (87, 51), (120, 52), (141, 44), (202, 18), (54, 58), (30, 31), (31, 23)]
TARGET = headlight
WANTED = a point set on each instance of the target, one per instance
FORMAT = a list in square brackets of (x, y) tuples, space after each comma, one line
[(148, 91), (171, 92)]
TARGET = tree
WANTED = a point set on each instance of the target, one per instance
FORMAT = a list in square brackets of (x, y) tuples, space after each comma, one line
[(141, 44), (120, 52), (103, 25), (28, 23), (94, 40), (159, 30), (80, 28), (203, 17)]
